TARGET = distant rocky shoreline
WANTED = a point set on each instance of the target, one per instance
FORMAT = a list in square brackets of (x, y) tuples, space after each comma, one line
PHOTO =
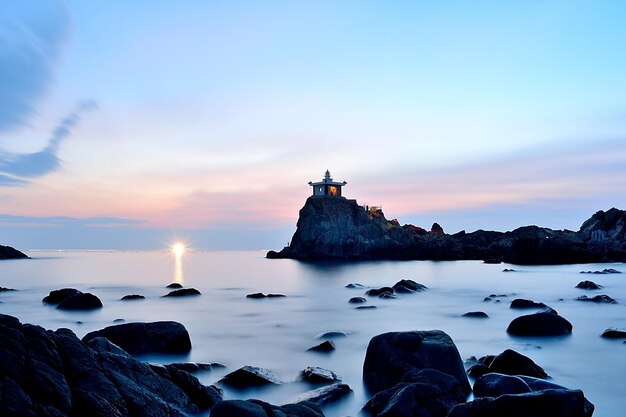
[(7, 252), (339, 228)]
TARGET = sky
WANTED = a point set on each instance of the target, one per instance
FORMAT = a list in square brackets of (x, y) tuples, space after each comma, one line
[(129, 125)]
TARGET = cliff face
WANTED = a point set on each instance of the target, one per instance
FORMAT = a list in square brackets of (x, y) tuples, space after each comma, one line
[(338, 228)]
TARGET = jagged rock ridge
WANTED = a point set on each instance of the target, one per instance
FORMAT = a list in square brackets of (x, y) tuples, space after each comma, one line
[(338, 228)]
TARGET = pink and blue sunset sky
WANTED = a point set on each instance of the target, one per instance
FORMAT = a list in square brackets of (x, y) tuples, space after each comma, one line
[(131, 124)]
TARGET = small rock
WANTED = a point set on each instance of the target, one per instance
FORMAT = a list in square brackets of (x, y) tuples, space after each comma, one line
[(356, 286), (588, 285), (3, 289), (250, 376), (185, 292), (196, 366), (376, 292), (522, 303), (119, 321), (487, 299), (275, 295), (366, 308), (614, 334), (600, 298), (476, 314), (603, 272), (175, 285), (387, 296), (331, 335), (325, 346), (408, 286), (317, 375), (357, 300), (82, 301), (325, 395), (132, 297), (256, 295), (508, 270)]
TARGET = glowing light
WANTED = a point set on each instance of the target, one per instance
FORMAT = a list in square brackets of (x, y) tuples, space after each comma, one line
[(178, 249)]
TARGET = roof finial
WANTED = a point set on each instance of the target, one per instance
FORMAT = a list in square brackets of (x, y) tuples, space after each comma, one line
[(327, 176)]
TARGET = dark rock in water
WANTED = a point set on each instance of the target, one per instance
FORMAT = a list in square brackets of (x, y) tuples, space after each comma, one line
[(356, 286), (588, 285), (3, 289), (53, 374), (132, 297), (144, 338), (192, 367), (325, 346), (325, 395), (427, 393), (357, 300), (614, 334), (331, 335), (317, 375), (82, 301), (603, 272), (376, 292), (478, 370), (250, 376), (387, 296), (495, 385), (258, 295), (56, 296), (492, 261), (119, 321), (391, 355), (366, 308), (510, 362), (408, 286), (258, 408), (547, 403), (487, 299), (7, 252), (540, 324), (508, 270), (476, 315), (174, 285), (600, 298), (522, 303), (185, 292)]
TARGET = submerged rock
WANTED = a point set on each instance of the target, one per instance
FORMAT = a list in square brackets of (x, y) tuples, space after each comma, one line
[(144, 338), (614, 334), (132, 297), (56, 296), (600, 298), (521, 303), (588, 285), (357, 300), (325, 346), (258, 408), (185, 292), (325, 395), (250, 376), (390, 356), (174, 285), (192, 367), (408, 286), (377, 292), (476, 315), (4, 289), (603, 272), (258, 295), (540, 324), (317, 375), (366, 308), (331, 335), (356, 286)]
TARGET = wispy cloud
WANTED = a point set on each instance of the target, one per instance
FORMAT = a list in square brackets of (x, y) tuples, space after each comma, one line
[(65, 221), (31, 36), (18, 169)]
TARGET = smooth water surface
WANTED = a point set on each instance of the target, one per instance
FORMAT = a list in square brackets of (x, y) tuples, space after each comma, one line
[(228, 328)]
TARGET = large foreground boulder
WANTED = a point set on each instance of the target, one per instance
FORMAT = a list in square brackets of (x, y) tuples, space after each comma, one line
[(391, 355), (52, 374), (511, 362), (145, 338), (540, 324), (257, 408), (547, 403)]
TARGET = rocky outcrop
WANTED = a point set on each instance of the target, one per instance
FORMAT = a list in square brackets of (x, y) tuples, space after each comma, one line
[(250, 376), (257, 408), (7, 252), (144, 338), (52, 373), (338, 228), (390, 356)]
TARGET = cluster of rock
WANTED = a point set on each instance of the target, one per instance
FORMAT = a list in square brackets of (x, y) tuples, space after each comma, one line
[(338, 228), (72, 299)]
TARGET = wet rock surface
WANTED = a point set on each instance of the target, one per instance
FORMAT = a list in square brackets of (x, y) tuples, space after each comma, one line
[(600, 298), (317, 375), (53, 373), (588, 285), (250, 376), (324, 347), (614, 334), (476, 315), (540, 324), (144, 338), (257, 408), (325, 395)]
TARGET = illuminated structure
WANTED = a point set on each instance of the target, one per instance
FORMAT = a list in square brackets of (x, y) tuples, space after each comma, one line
[(327, 187)]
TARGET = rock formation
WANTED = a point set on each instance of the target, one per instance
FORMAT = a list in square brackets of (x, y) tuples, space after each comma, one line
[(7, 252), (339, 228)]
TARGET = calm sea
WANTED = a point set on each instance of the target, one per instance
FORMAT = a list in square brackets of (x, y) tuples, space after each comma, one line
[(226, 327)]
